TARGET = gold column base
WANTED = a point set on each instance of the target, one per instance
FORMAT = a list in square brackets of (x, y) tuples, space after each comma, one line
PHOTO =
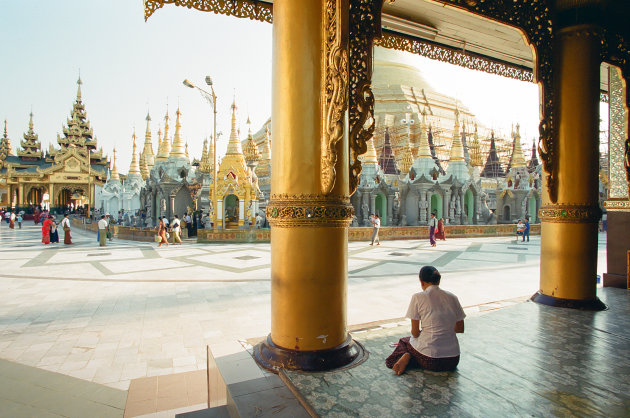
[(273, 358), (569, 266)]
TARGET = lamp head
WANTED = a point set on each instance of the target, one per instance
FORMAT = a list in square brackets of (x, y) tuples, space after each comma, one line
[(208, 80), (188, 84)]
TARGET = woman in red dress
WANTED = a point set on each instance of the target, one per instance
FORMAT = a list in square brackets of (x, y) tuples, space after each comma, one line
[(46, 231), (439, 234)]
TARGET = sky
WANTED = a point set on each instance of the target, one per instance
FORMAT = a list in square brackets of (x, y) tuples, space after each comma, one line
[(129, 66)]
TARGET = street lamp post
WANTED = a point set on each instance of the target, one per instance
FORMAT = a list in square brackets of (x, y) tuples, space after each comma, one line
[(212, 98)]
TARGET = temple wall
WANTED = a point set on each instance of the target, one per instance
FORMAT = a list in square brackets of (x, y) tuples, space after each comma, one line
[(354, 234)]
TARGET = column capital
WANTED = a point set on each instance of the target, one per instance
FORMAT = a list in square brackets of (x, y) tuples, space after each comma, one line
[(570, 213), (314, 210)]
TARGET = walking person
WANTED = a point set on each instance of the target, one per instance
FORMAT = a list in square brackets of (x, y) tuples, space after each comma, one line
[(12, 220), (19, 220), (432, 228), (110, 228), (46, 231), (526, 229), (54, 234), (435, 346), (65, 225), (161, 230), (189, 224), (102, 231), (176, 228), (439, 234), (376, 225)]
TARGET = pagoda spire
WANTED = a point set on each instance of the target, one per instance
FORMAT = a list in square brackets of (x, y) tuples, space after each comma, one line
[(147, 152), (533, 161), (234, 144), (370, 156), (178, 150), (457, 148), (165, 145), (144, 169), (31, 147), (251, 153), (114, 174), (5, 144), (79, 82), (134, 167), (475, 150), (517, 160), (387, 160), (492, 168)]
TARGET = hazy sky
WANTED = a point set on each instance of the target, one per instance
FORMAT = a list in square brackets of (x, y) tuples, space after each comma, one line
[(128, 66)]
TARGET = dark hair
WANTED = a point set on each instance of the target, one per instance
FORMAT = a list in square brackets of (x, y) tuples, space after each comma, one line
[(429, 274)]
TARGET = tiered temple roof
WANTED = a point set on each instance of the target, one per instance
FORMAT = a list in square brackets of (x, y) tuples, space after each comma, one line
[(516, 159), (31, 147), (252, 155)]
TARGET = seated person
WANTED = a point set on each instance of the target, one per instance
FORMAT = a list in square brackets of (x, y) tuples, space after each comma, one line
[(435, 347)]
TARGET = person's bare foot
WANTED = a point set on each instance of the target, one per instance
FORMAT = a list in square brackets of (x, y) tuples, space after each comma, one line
[(401, 365)]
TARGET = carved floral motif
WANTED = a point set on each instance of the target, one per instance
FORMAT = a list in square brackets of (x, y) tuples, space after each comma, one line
[(286, 210), (365, 25), (335, 93), (570, 213)]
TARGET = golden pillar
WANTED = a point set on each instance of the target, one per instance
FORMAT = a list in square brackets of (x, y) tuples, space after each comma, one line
[(618, 203), (309, 210), (568, 265)]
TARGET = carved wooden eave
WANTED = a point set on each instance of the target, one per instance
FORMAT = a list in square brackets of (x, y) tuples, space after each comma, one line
[(250, 9)]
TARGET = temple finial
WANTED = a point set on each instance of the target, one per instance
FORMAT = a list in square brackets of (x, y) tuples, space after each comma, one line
[(79, 82)]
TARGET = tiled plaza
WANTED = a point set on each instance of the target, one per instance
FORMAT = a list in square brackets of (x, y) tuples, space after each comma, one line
[(130, 310)]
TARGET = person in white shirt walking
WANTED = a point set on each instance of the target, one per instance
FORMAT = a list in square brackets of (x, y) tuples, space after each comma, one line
[(376, 225), (435, 347), (65, 225), (433, 223), (102, 231)]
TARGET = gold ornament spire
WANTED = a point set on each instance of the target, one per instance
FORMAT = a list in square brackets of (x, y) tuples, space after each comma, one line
[(134, 167), (165, 145), (203, 167), (147, 151), (457, 148), (114, 174), (475, 150), (406, 159), (5, 144), (179, 149), (31, 147), (264, 166), (251, 150), (517, 159), (234, 144)]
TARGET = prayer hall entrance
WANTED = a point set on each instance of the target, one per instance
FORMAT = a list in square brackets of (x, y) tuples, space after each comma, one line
[(72, 198), (323, 116)]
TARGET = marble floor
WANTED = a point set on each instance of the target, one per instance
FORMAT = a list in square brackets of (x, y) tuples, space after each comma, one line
[(129, 310), (524, 360)]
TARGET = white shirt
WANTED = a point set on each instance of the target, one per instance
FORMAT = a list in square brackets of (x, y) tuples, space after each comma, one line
[(102, 224), (65, 222), (165, 222), (438, 311), (433, 222), (377, 223)]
